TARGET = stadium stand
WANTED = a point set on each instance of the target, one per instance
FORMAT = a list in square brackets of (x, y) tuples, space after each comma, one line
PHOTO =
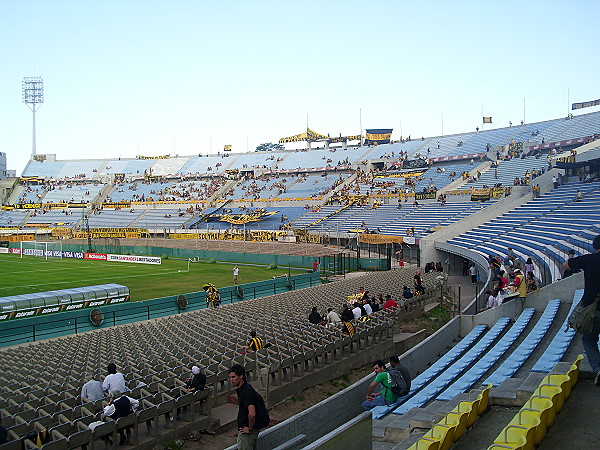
[(542, 229), (155, 355), (12, 218), (35, 398), (73, 193)]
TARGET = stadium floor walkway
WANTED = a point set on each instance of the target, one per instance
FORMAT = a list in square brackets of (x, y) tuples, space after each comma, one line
[(577, 424), (576, 427)]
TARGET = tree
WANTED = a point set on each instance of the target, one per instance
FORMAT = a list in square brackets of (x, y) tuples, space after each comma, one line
[(270, 147)]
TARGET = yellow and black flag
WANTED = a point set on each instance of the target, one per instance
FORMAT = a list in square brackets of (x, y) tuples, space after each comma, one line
[(487, 119), (376, 136)]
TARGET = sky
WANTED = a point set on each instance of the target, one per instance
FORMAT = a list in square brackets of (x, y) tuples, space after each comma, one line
[(131, 77)]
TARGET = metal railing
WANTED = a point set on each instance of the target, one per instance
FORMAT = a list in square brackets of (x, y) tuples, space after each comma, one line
[(27, 330)]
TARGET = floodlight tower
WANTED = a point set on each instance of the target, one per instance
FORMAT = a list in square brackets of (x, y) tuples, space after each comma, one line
[(33, 95)]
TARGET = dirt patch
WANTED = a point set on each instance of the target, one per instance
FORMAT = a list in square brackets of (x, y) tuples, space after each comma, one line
[(430, 321)]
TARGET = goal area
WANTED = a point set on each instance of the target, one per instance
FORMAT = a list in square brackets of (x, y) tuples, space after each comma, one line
[(46, 250)]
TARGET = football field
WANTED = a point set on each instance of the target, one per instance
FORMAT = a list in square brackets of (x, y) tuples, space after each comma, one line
[(35, 274)]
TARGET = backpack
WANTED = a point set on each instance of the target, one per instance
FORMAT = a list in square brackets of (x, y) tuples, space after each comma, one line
[(400, 385), (583, 318)]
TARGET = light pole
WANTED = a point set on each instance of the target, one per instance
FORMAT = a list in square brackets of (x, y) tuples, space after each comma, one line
[(33, 95)]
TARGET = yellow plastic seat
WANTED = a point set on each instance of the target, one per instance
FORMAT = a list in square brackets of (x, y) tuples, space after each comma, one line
[(425, 444), (513, 435), (532, 419), (561, 380), (575, 374), (554, 393), (542, 404), (519, 445), (471, 407), (484, 399), (443, 434), (457, 419)]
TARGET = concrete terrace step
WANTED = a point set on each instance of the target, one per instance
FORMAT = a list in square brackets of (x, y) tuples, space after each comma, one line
[(224, 417)]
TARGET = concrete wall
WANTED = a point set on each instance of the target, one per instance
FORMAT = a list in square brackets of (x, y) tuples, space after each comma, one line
[(317, 420), (356, 434), (482, 267), (560, 289)]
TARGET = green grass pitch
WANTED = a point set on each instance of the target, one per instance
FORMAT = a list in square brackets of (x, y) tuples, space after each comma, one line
[(35, 274)]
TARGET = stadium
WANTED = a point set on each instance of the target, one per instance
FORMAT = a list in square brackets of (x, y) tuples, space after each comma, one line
[(112, 255)]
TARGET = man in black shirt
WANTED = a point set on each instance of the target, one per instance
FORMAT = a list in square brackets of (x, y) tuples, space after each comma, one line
[(252, 413), (347, 314), (314, 317), (119, 406), (590, 264)]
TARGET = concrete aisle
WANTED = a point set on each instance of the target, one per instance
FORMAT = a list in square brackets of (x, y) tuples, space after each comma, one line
[(576, 427)]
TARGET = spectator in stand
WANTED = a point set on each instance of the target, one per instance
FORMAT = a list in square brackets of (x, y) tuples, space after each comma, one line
[(495, 264), (119, 406), (517, 264), (114, 380), (314, 317), (197, 382), (531, 284), (92, 390), (376, 304), (347, 314), (473, 273), (333, 318), (406, 292), (367, 306), (356, 311), (590, 264), (529, 267), (419, 289), (448, 262), (491, 300), (509, 256), (348, 328), (255, 343), (569, 272), (395, 365), (502, 281), (390, 302), (253, 415), (520, 284), (386, 397)]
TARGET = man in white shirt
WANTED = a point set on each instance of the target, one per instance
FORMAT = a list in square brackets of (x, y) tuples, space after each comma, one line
[(356, 311), (333, 318), (114, 380)]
